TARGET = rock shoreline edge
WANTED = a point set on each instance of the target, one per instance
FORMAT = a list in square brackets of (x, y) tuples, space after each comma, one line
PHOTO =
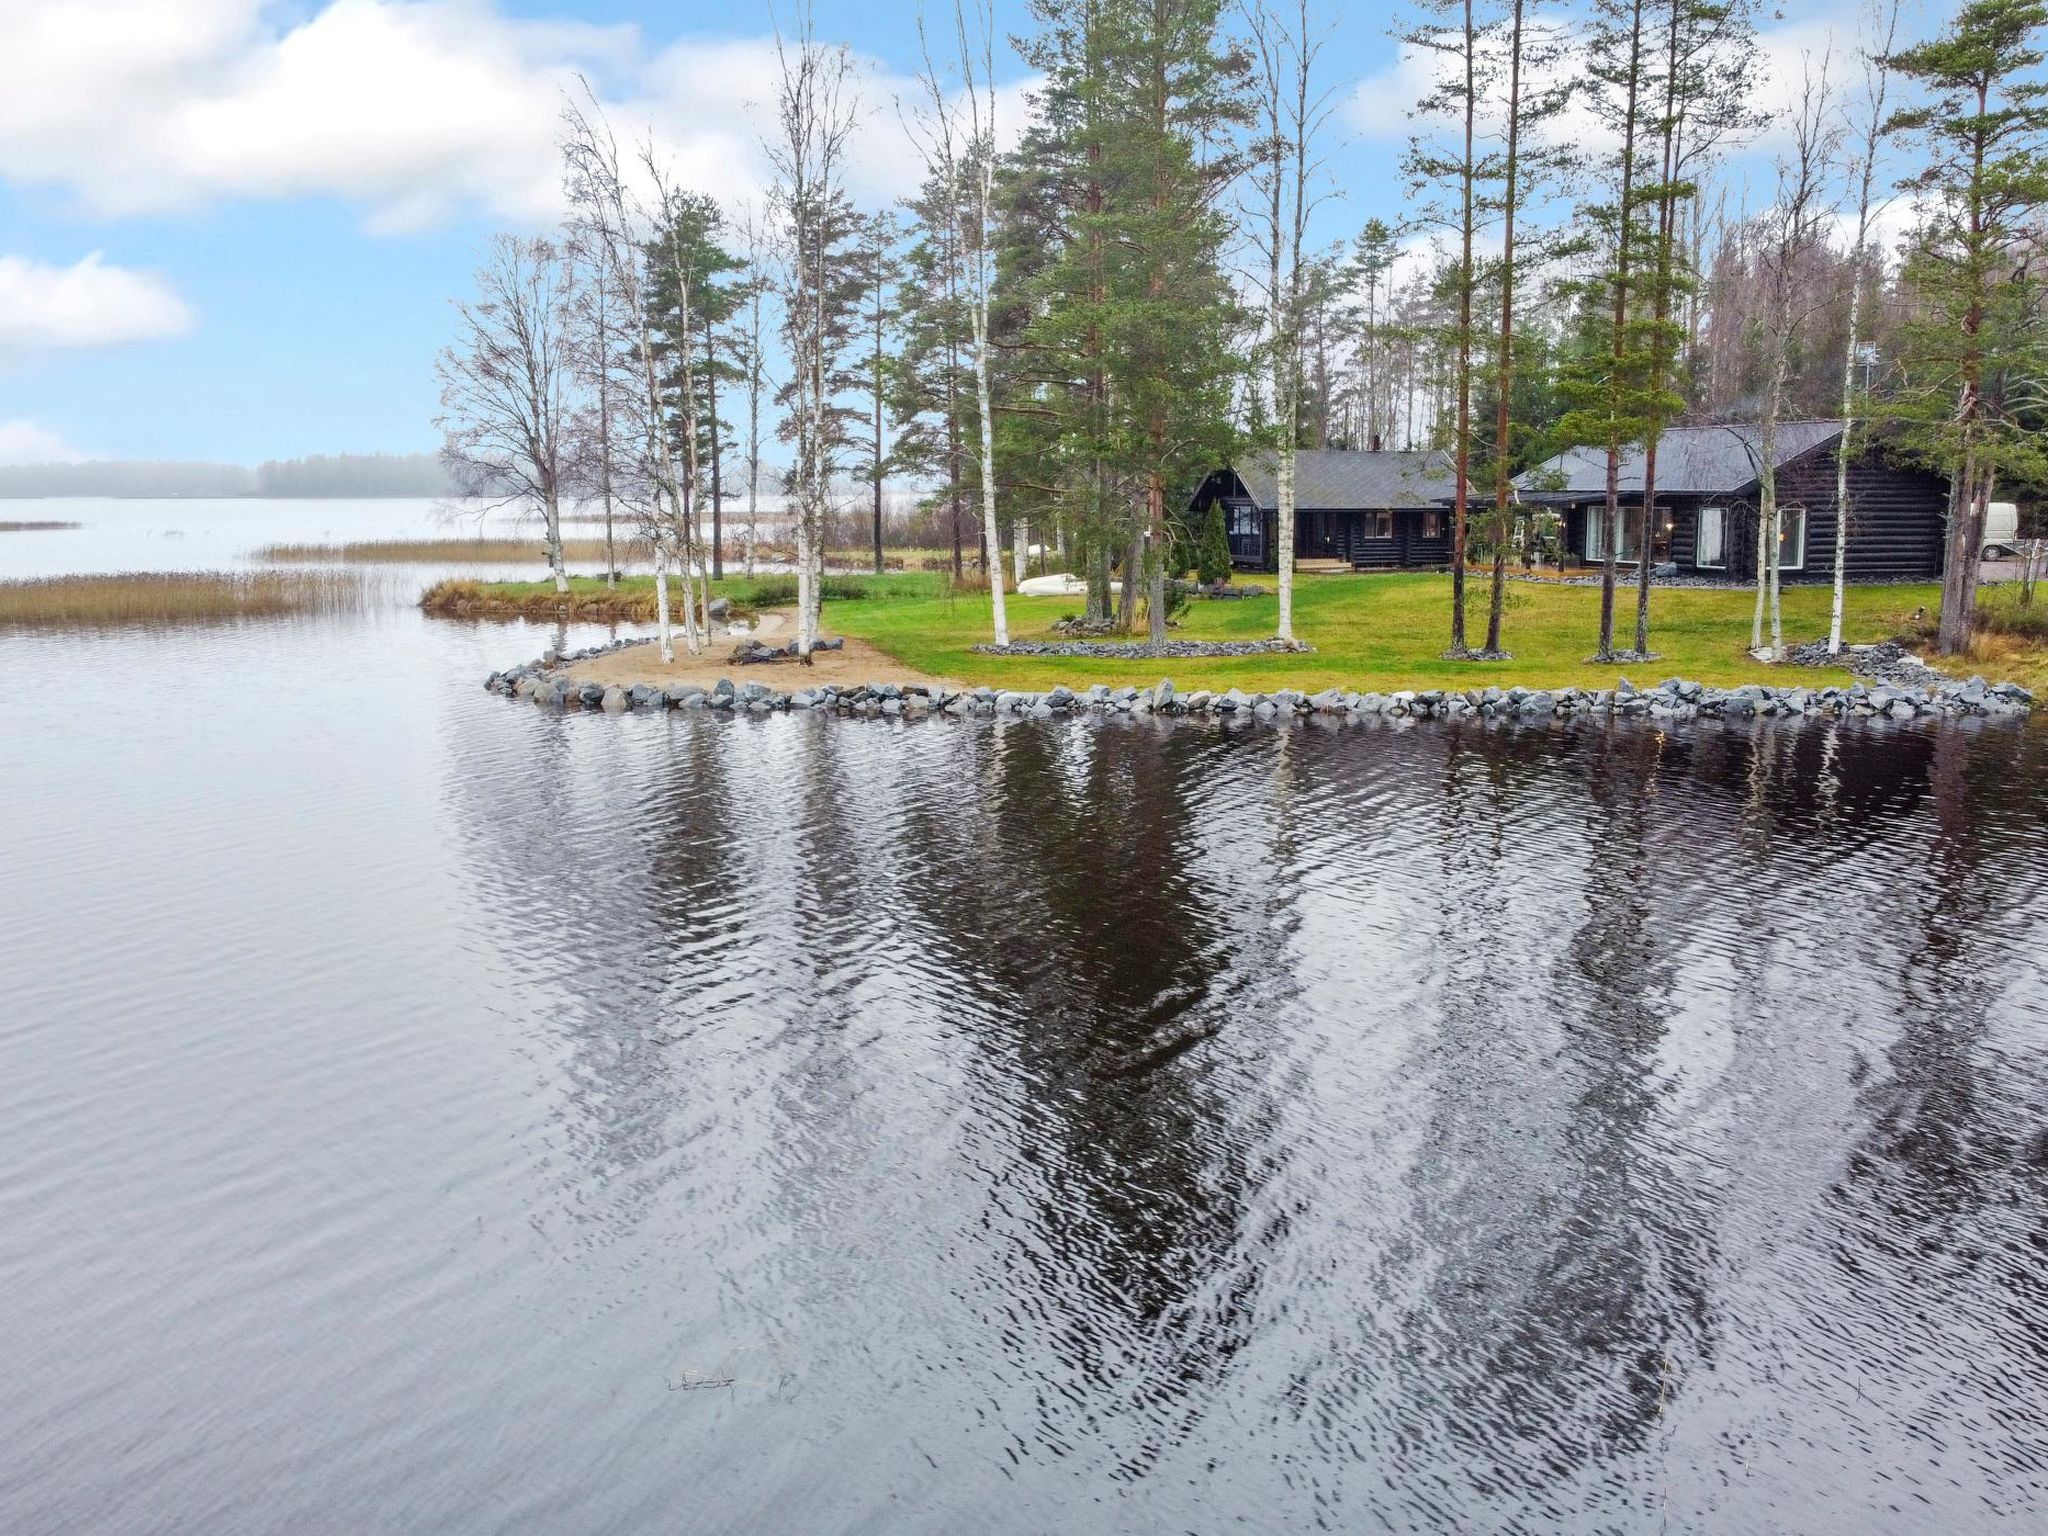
[(1674, 698)]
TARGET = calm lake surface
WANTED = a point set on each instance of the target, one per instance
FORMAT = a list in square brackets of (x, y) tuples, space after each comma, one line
[(424, 1112)]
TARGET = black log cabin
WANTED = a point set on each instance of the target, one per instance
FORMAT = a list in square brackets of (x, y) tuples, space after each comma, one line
[(1707, 493), (1379, 510)]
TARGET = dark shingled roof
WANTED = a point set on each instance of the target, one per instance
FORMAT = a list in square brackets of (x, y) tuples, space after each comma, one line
[(1350, 479), (1691, 461)]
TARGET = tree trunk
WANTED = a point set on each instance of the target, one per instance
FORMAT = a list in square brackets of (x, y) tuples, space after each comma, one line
[(989, 531), (1959, 571), (1624, 215), (604, 435), (1503, 486), (1660, 314), (717, 458), (1461, 509), (1134, 563), (661, 619), (1155, 571), (1841, 573), (551, 510)]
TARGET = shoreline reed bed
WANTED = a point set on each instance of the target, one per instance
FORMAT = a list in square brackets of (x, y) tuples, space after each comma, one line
[(38, 526), (445, 552), (172, 597)]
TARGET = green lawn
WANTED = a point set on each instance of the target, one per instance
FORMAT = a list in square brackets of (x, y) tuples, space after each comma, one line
[(1369, 632), (1386, 632)]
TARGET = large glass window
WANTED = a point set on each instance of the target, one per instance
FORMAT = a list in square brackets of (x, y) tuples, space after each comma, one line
[(1628, 537), (1710, 548)]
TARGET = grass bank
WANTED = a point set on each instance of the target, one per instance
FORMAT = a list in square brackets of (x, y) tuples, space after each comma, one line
[(176, 597), (1376, 632), (632, 600)]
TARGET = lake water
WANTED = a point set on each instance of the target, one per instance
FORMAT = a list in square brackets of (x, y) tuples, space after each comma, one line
[(424, 1112)]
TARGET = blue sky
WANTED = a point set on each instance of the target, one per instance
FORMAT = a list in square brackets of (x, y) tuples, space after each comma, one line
[(230, 229)]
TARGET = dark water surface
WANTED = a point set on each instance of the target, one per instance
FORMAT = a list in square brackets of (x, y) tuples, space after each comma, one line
[(421, 1112)]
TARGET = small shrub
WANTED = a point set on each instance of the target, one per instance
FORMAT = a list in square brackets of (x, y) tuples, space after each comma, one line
[(1212, 549)]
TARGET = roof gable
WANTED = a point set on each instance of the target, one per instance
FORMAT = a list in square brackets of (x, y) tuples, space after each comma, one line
[(1691, 461)]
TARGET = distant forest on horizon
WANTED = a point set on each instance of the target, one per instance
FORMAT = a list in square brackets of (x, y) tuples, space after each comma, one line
[(316, 475)]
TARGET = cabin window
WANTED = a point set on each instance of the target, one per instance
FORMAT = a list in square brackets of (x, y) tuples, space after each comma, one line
[(1244, 521), (1379, 525), (1791, 538), (1627, 537), (1710, 548), (1432, 525)]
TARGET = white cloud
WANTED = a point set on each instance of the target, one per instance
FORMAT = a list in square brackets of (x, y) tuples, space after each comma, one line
[(408, 108), (87, 304), (23, 442)]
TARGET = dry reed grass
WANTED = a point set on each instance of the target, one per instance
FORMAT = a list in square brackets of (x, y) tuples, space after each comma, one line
[(36, 527), (172, 597), (446, 552), (587, 599)]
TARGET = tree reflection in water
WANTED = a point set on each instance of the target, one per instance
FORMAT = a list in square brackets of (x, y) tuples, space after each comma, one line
[(1454, 1125)]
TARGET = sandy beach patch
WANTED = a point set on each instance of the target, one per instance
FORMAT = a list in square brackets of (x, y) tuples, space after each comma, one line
[(857, 662)]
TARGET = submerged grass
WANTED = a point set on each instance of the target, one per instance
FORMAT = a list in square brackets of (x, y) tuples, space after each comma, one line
[(446, 552), (172, 597)]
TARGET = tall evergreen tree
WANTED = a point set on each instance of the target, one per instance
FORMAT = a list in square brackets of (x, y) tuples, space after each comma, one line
[(1449, 173), (1975, 321), (929, 387), (1611, 369), (693, 295), (879, 273), (1707, 50), (1135, 317)]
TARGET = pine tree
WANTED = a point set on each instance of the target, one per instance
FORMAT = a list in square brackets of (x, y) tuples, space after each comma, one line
[(1609, 380), (1525, 163), (1134, 316), (692, 297), (929, 387), (1975, 324), (1451, 31), (1708, 47), (879, 273)]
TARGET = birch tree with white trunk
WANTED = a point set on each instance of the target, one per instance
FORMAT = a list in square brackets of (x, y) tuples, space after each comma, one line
[(955, 131), (815, 113), (1883, 23), (751, 330), (506, 382), (1284, 52), (612, 220), (1793, 233)]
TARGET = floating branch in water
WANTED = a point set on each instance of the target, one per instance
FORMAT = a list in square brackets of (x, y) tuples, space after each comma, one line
[(173, 597)]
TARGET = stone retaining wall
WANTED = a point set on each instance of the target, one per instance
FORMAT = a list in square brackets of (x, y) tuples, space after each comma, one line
[(1673, 699)]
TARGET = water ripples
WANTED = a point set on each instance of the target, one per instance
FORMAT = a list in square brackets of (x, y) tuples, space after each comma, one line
[(425, 1111)]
